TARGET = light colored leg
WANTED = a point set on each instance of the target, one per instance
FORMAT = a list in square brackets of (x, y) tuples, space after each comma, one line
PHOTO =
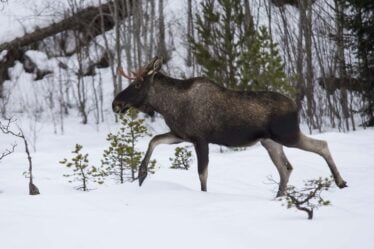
[(320, 147), (285, 161), (276, 153), (167, 138)]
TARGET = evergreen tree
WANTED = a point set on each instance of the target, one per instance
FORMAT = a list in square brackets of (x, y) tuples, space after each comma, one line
[(262, 67), (122, 159), (232, 53), (360, 21), (182, 158), (82, 172)]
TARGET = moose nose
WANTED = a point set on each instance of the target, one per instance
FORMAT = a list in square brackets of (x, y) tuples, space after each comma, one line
[(117, 106)]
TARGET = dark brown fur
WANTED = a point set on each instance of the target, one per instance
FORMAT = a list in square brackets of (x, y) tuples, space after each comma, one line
[(201, 109), (202, 112)]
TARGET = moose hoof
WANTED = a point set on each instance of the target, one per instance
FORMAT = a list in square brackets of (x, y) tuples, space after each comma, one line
[(141, 178), (342, 184), (280, 193)]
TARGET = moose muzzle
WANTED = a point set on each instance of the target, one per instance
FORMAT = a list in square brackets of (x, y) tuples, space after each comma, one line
[(119, 107)]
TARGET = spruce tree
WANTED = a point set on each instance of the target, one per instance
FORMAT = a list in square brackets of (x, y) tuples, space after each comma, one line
[(262, 67), (182, 158), (359, 21), (82, 172), (232, 53), (122, 159)]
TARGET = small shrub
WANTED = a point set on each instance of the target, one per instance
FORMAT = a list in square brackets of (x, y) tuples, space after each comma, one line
[(239, 148), (152, 166), (309, 197), (122, 159), (82, 172), (182, 158)]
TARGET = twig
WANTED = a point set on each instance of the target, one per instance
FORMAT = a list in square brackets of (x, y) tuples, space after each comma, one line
[(7, 152), (308, 198)]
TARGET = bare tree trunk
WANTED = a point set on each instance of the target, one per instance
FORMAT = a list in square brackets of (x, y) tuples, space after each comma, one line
[(190, 32), (161, 32), (152, 29), (127, 37), (268, 10), (248, 14), (145, 34), (117, 20), (81, 85), (33, 190), (299, 64), (306, 14), (138, 17), (341, 62)]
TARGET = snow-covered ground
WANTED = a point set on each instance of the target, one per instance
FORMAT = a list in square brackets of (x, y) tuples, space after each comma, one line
[(169, 211)]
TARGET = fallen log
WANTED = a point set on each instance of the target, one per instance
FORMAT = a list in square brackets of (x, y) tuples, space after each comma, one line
[(92, 21)]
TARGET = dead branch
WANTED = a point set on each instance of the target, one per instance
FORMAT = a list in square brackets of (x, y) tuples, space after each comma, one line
[(6, 129), (7, 152), (81, 20)]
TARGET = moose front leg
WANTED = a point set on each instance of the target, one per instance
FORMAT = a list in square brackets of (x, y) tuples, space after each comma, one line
[(202, 152), (167, 138)]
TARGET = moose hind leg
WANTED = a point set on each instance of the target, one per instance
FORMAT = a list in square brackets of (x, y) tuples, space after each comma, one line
[(285, 161), (320, 147), (276, 153)]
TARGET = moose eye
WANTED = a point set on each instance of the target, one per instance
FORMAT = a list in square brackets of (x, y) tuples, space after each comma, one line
[(137, 85)]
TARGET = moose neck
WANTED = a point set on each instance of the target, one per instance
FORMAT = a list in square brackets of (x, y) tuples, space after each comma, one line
[(165, 94)]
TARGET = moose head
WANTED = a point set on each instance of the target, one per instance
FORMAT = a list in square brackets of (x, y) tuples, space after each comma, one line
[(136, 94)]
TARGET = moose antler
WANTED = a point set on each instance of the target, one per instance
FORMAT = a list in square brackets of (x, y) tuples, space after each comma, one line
[(122, 72), (147, 70), (149, 67)]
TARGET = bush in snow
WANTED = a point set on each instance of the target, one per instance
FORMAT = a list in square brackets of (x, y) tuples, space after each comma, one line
[(82, 172), (309, 197), (182, 158), (122, 159)]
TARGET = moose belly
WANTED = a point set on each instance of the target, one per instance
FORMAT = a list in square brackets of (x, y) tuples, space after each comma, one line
[(234, 136)]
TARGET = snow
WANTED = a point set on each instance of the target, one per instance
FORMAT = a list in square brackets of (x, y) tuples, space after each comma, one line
[(40, 59), (169, 211)]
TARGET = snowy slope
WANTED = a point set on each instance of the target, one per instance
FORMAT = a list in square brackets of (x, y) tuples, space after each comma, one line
[(169, 211)]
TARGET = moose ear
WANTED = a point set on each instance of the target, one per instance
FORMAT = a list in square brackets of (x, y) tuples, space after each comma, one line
[(155, 65)]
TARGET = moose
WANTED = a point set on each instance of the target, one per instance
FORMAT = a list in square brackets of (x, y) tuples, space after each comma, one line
[(199, 111)]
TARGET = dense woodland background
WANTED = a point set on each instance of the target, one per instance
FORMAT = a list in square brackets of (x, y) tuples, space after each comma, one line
[(319, 52)]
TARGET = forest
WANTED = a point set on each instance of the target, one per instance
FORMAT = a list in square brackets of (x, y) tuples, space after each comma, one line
[(318, 52), (70, 163)]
